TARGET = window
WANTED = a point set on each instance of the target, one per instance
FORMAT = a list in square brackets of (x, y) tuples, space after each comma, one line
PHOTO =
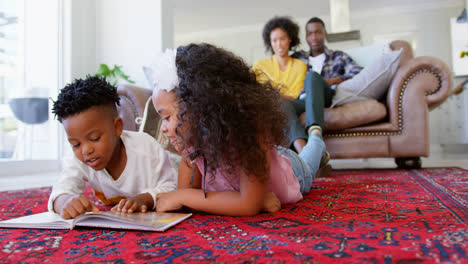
[(29, 74)]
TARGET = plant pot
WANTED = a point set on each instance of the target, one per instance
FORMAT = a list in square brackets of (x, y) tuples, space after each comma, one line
[(30, 110)]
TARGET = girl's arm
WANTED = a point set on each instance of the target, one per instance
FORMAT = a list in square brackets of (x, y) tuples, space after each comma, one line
[(185, 175), (248, 201)]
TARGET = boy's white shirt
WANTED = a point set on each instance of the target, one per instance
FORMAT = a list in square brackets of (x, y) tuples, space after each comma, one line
[(148, 169)]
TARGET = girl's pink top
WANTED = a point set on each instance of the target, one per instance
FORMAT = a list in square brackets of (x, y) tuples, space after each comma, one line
[(282, 181)]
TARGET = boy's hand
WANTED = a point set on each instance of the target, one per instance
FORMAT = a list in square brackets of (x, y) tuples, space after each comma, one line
[(72, 206), (271, 203), (167, 202), (137, 203)]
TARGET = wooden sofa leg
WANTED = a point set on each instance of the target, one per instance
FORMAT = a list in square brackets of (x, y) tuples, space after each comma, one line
[(408, 163)]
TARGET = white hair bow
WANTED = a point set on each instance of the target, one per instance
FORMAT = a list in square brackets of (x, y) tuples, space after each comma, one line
[(162, 74)]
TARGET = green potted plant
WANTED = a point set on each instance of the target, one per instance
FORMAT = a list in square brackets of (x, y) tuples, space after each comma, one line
[(113, 75), (464, 53)]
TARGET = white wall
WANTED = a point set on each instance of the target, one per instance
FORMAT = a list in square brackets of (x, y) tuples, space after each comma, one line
[(427, 26), (121, 32), (125, 33), (430, 24), (79, 39), (128, 33)]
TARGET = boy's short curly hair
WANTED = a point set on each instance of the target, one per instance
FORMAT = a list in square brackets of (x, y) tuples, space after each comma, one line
[(286, 24), (234, 118), (81, 95)]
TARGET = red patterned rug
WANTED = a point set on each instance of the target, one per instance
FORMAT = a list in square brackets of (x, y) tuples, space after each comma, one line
[(352, 216)]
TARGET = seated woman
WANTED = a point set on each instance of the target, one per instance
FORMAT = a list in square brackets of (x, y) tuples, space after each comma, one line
[(280, 35)]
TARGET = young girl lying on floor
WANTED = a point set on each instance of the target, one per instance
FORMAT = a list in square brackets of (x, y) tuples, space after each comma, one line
[(229, 128)]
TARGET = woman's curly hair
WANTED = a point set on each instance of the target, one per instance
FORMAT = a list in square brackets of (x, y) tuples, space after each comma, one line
[(234, 119), (81, 95), (286, 24)]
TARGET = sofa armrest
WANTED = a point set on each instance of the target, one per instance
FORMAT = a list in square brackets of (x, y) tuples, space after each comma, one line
[(133, 101), (407, 51), (132, 104), (424, 81)]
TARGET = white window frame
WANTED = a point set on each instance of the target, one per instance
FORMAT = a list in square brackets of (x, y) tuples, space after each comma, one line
[(10, 168)]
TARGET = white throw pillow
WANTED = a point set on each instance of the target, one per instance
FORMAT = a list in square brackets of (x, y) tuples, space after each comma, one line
[(364, 56), (371, 83)]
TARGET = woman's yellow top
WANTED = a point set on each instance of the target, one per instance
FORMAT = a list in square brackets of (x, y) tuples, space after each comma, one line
[(291, 80)]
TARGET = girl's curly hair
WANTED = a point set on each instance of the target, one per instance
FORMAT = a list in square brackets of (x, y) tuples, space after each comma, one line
[(286, 24), (234, 118)]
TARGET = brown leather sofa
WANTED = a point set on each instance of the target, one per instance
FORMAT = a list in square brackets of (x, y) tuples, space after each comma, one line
[(132, 105), (138, 113), (396, 128), (419, 85)]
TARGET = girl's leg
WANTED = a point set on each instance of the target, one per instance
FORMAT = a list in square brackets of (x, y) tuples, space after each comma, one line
[(300, 168), (312, 154), (306, 164)]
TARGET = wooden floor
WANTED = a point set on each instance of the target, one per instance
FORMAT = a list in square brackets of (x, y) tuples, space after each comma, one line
[(461, 162), (47, 179)]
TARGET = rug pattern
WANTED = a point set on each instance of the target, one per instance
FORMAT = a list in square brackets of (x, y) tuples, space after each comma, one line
[(352, 216)]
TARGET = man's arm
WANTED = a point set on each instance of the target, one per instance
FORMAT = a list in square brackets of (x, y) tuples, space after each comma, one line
[(340, 67), (302, 55), (351, 68), (333, 81)]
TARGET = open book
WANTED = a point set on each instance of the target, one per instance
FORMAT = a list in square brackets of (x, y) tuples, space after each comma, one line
[(150, 221)]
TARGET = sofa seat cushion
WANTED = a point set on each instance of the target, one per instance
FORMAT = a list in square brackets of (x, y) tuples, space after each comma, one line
[(352, 115)]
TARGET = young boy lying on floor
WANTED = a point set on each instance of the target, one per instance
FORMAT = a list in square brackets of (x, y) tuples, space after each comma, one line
[(126, 169)]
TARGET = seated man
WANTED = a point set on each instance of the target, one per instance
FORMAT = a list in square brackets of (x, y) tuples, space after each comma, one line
[(326, 69), (333, 66)]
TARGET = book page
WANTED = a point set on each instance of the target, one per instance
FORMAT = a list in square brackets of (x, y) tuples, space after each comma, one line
[(42, 220), (150, 221)]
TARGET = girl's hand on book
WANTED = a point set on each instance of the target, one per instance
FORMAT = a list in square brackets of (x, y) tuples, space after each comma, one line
[(137, 203), (75, 205), (167, 202)]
